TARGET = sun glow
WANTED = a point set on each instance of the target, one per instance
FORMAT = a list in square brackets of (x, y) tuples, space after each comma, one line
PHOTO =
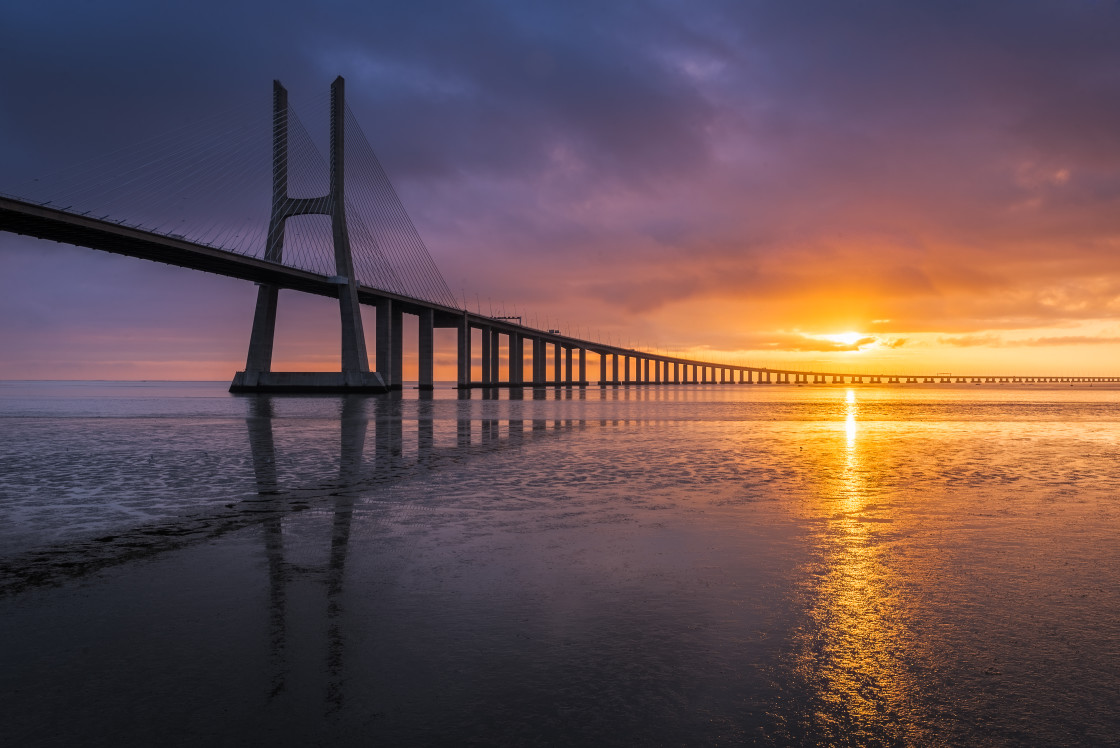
[(846, 338)]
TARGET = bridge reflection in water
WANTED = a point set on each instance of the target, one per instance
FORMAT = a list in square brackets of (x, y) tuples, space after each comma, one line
[(357, 414)]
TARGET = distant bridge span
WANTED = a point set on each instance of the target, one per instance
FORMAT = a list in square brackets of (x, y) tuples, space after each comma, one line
[(617, 366)]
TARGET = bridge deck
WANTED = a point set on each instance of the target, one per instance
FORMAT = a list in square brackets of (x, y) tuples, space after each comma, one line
[(45, 222)]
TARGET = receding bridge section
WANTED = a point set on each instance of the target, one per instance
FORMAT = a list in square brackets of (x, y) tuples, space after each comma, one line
[(504, 347)]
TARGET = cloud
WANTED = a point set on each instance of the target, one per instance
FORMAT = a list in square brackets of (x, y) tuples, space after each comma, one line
[(991, 340), (952, 168), (803, 343), (987, 340), (1064, 340)]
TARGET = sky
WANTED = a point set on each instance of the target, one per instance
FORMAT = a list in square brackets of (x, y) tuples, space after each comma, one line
[(917, 187)]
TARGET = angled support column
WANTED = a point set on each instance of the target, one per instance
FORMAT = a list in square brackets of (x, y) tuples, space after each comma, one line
[(261, 340), (355, 361)]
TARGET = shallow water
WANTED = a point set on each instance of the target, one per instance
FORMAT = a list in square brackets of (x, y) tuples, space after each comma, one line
[(687, 565)]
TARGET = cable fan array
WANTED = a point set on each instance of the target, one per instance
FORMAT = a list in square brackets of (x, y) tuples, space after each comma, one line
[(210, 182), (380, 226)]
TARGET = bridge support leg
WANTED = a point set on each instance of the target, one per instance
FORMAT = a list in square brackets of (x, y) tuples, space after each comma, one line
[(542, 369), (485, 356), (355, 361), (516, 360), (582, 367), (464, 357), (426, 349), (396, 341), (495, 356), (384, 343), (264, 333), (557, 358)]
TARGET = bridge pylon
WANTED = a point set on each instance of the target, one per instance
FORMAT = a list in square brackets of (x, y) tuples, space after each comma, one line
[(355, 375)]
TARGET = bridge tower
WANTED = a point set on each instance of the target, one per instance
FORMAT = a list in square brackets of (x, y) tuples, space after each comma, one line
[(355, 375)]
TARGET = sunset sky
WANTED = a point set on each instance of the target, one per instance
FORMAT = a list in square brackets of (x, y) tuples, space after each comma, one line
[(917, 186)]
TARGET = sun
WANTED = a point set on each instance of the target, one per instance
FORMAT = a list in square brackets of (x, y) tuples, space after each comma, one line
[(846, 338)]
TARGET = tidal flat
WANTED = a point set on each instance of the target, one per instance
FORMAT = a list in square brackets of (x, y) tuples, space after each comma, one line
[(677, 565)]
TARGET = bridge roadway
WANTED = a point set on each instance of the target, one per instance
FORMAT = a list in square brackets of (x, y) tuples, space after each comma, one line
[(617, 365)]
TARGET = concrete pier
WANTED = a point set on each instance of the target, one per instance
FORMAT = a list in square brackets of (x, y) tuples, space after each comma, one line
[(396, 374), (426, 352), (495, 358), (383, 350), (484, 356), (516, 360)]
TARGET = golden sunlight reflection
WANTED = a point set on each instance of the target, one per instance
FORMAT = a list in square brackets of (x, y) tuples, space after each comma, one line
[(854, 659), (850, 428)]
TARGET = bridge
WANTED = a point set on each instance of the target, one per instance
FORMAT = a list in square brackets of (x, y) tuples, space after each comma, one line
[(372, 256)]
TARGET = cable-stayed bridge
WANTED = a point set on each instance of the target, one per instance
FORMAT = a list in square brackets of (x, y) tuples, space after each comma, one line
[(335, 227)]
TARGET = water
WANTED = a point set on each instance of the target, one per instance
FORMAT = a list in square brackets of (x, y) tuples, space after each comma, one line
[(672, 566)]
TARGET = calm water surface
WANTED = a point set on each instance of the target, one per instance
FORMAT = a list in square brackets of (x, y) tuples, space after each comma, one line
[(704, 565)]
